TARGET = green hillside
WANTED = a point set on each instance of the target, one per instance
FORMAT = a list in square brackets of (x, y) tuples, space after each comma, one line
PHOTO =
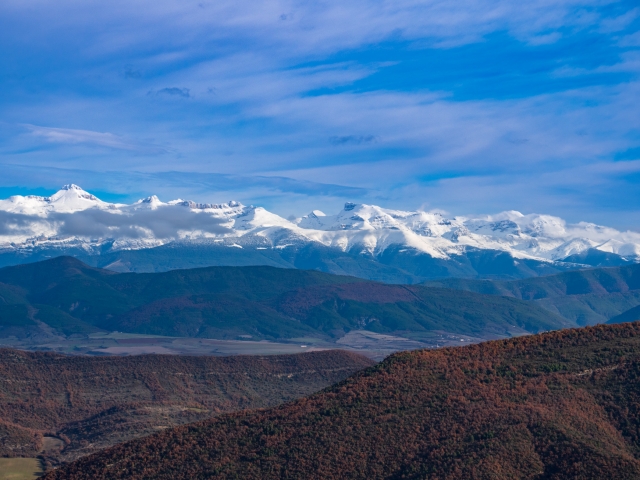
[(64, 296), (582, 297)]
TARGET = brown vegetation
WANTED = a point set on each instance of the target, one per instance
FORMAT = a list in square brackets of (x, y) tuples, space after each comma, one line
[(94, 402), (560, 405)]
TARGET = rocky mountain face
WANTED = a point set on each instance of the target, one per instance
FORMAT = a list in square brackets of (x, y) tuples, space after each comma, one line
[(361, 240)]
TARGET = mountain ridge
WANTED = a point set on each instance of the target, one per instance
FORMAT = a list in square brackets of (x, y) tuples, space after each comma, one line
[(76, 222), (65, 297), (585, 297)]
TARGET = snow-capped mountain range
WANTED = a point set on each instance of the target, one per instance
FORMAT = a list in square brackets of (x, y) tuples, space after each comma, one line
[(74, 217)]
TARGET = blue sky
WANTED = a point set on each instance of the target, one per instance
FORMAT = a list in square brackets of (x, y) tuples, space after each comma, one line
[(467, 107)]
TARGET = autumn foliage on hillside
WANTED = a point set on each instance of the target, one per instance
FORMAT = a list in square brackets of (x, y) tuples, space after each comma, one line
[(93, 402), (557, 405)]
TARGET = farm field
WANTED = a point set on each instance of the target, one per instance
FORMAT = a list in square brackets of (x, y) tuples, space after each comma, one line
[(373, 345), (20, 468), (118, 343)]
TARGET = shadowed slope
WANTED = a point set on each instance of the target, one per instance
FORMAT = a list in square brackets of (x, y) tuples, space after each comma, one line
[(63, 296), (579, 282), (558, 405), (631, 315), (582, 297)]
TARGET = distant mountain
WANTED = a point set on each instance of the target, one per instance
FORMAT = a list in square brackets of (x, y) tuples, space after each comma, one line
[(65, 297), (584, 297), (560, 405), (631, 315), (362, 240), (583, 282), (90, 403)]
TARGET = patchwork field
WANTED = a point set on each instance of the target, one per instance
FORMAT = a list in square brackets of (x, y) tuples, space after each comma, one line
[(373, 345), (118, 343)]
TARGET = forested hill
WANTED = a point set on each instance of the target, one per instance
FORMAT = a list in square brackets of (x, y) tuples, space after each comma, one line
[(582, 297), (63, 296), (578, 282), (559, 405), (95, 402)]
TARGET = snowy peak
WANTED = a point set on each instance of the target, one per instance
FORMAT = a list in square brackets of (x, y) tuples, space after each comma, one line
[(70, 198), (73, 215), (151, 202), (258, 219), (72, 186), (352, 217), (73, 191)]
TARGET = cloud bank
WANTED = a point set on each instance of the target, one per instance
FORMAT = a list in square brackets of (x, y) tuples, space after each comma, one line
[(163, 223)]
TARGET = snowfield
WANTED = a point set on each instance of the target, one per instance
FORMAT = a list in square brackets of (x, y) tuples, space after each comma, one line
[(75, 217)]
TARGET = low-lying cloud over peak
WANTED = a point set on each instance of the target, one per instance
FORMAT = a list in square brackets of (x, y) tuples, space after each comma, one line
[(166, 222)]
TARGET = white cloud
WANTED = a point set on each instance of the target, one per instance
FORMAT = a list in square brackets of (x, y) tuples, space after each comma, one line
[(247, 69), (88, 137), (295, 27), (165, 222)]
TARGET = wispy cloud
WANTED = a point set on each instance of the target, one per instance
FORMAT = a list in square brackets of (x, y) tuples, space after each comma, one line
[(240, 183), (91, 138), (209, 187), (286, 100), (300, 26), (130, 72)]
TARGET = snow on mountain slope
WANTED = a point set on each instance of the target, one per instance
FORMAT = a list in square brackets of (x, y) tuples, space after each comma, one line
[(71, 198), (75, 217)]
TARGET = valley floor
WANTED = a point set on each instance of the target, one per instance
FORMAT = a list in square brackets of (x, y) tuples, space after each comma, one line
[(373, 345)]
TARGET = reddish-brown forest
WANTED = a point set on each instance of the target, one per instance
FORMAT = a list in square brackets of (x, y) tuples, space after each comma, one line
[(557, 405), (93, 402)]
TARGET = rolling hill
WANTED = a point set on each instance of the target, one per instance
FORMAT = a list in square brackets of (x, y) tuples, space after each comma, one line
[(631, 315), (559, 405), (93, 402), (582, 297), (64, 297)]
